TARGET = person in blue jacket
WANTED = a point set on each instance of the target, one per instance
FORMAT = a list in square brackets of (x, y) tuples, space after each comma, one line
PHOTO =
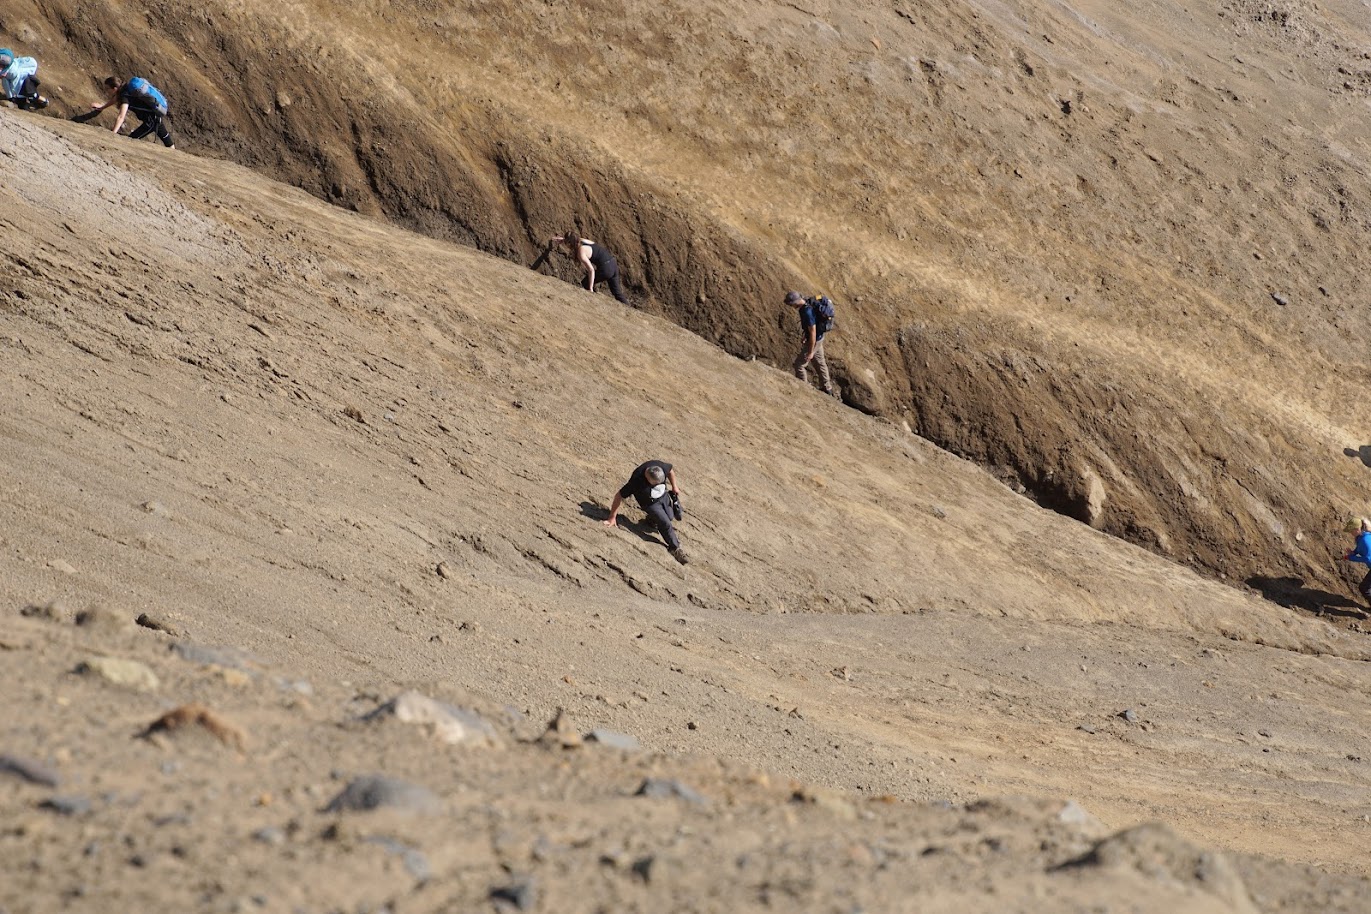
[(142, 98), (19, 81), (1362, 554)]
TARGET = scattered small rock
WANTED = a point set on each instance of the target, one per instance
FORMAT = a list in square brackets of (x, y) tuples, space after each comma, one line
[(1265, 733), (28, 770), (1280, 299), (62, 566), (1129, 715), (830, 800), (354, 414), (1074, 814), (613, 740), (842, 673), (158, 624), (561, 732), (155, 508), (129, 673), (197, 715), (104, 619), (444, 571), (376, 791), (522, 893), (1088, 728), (54, 611), (664, 789), (67, 805), (450, 724), (270, 835)]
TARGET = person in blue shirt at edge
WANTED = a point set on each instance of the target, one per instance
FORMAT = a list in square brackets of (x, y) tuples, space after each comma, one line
[(1362, 555), (811, 345), (142, 98), (19, 81), (599, 264), (653, 484)]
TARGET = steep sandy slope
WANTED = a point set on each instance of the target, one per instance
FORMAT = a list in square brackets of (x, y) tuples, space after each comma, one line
[(1110, 251), (329, 461)]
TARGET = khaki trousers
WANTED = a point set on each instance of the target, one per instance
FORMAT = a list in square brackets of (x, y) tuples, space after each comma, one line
[(820, 363)]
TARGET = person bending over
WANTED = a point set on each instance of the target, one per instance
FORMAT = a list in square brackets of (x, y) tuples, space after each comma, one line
[(595, 259), (142, 98), (654, 487)]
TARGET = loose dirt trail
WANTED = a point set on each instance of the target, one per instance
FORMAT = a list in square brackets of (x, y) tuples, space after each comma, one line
[(331, 461)]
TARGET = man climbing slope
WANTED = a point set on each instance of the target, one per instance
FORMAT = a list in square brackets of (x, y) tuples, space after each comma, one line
[(653, 484)]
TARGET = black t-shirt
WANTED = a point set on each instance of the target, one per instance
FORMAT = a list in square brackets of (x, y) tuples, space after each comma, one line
[(638, 487)]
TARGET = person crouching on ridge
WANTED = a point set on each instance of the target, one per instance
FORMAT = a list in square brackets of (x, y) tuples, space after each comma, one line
[(654, 486), (142, 98), (598, 263), (19, 81)]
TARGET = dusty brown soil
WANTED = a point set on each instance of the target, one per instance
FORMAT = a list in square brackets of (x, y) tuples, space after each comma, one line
[(327, 461), (1060, 233)]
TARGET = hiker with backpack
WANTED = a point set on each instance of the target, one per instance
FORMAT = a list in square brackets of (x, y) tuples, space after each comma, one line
[(598, 263), (142, 98), (19, 81), (817, 317), (653, 484), (1362, 555)]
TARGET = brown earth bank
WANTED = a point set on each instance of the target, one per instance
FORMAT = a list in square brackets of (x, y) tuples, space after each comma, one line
[(1111, 252), (301, 552)]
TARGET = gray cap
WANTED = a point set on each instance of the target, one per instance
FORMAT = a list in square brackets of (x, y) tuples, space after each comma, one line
[(794, 298)]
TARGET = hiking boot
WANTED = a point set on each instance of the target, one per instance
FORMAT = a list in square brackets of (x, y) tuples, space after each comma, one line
[(679, 555)]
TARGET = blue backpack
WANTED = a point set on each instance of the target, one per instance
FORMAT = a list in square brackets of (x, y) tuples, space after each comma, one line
[(825, 316), (141, 89)]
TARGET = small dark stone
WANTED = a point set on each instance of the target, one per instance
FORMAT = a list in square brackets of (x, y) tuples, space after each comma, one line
[(1280, 299), (375, 791), (661, 788), (1265, 733), (157, 624), (29, 770), (67, 805), (523, 894), (642, 867), (613, 740)]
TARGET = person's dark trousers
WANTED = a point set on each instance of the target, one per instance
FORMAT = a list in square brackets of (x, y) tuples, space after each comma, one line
[(660, 513), (152, 122), (615, 287), (1365, 587)]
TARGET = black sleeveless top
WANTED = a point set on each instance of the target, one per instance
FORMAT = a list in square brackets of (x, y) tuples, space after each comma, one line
[(600, 258)]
